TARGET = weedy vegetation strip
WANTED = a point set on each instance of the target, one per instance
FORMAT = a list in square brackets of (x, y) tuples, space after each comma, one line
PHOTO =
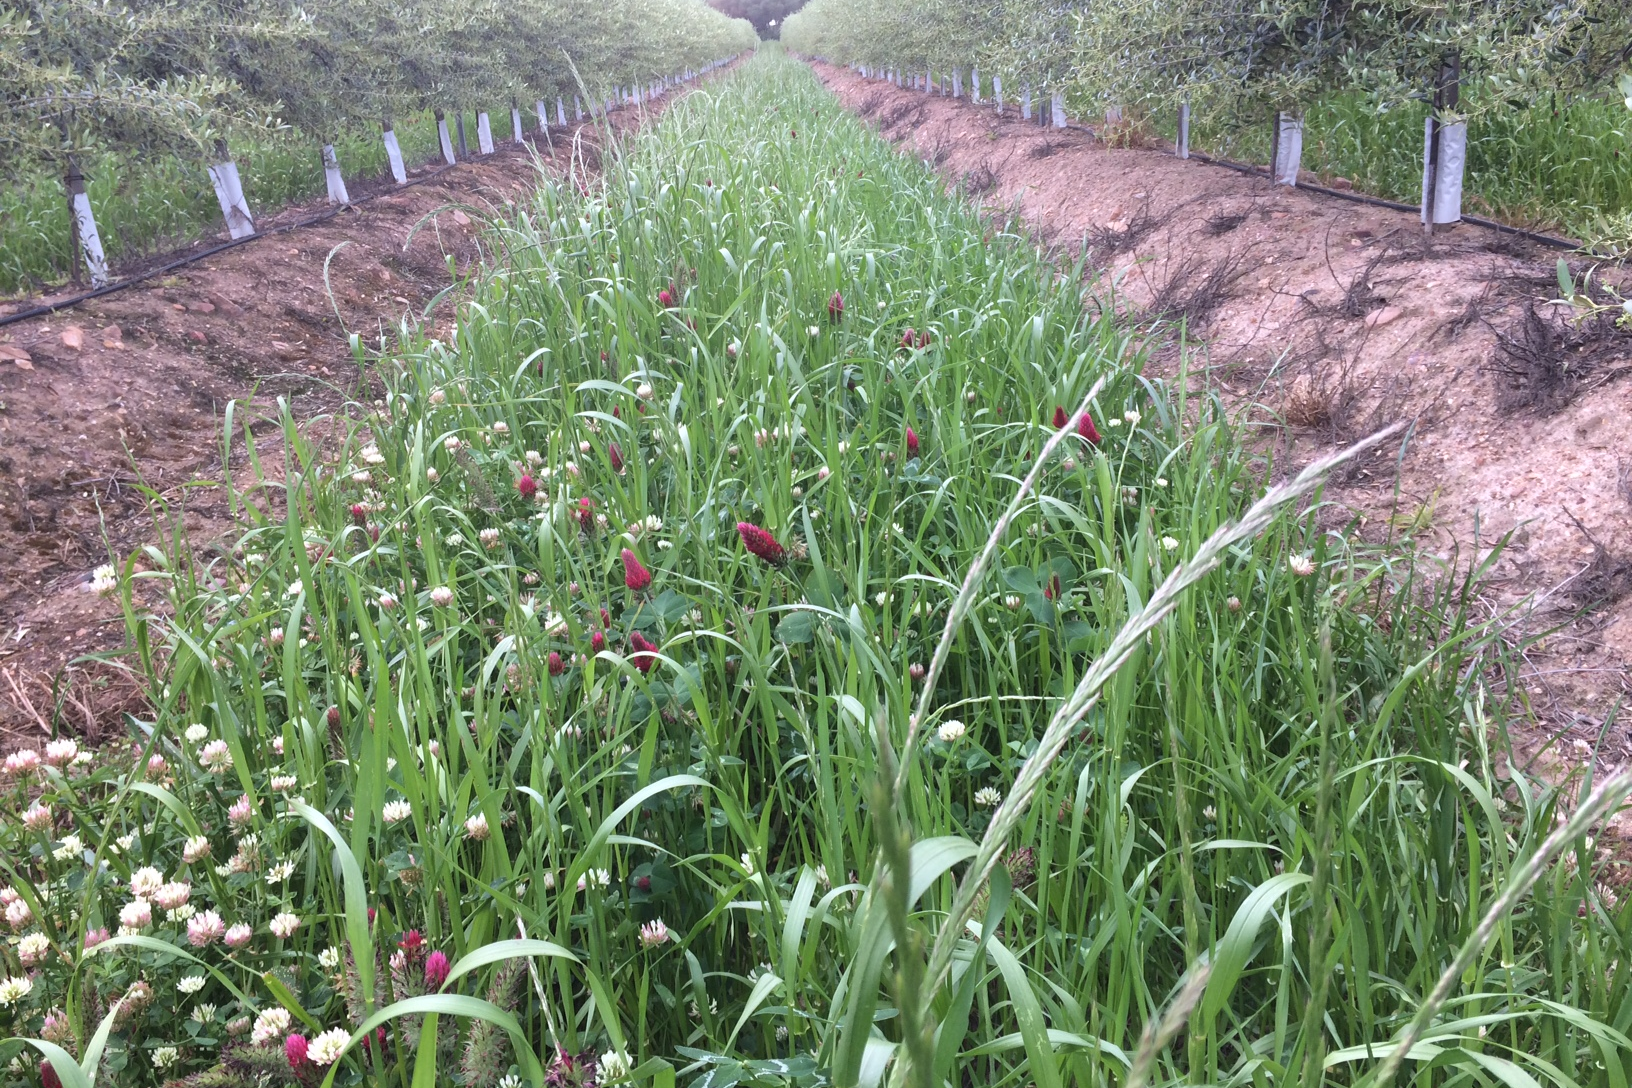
[(786, 638)]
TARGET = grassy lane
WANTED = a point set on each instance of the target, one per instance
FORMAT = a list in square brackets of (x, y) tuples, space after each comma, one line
[(603, 626)]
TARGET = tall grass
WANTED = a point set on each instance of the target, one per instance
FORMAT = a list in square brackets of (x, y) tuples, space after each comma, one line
[(1279, 821)]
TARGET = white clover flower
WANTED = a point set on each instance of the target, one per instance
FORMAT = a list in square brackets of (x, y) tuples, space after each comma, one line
[(654, 933), (643, 391), (203, 1012), (451, 443), (124, 842), (165, 1056), (327, 1047), (283, 926), (60, 753), (614, 1066), (397, 811), (1132, 416), (195, 849), (238, 935), (205, 929), (491, 538), (599, 878), (145, 883), (442, 596), (987, 797), (195, 733), (296, 588), (71, 847), (1161, 481), (748, 863), (476, 827), (191, 984), (1169, 544), (437, 396), (371, 455), (272, 1024), (14, 989), (33, 948), (329, 958), (216, 757), (951, 731), (136, 914), (387, 602), (280, 872), (104, 580), (1301, 565), (283, 783), (174, 894)]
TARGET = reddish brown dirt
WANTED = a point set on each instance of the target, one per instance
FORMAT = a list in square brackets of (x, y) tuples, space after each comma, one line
[(115, 412), (1342, 317)]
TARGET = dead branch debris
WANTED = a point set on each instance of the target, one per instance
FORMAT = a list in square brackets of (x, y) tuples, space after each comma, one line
[(1545, 363)]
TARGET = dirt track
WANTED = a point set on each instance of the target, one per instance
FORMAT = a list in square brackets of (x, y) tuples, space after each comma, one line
[(1343, 317), (129, 390)]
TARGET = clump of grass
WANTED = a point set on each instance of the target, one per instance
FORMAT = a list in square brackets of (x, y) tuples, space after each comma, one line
[(615, 643)]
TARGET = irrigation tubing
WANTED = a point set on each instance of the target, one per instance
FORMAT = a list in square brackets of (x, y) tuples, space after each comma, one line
[(1359, 198), (192, 258), (1379, 202)]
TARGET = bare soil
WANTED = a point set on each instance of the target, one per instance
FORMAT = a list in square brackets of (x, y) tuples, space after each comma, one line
[(1341, 318), (112, 412)]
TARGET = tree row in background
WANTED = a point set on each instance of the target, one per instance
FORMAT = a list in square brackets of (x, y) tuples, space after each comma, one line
[(1150, 55), (1548, 127), (131, 86), (153, 73)]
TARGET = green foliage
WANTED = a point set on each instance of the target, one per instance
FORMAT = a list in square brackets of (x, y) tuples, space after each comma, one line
[(732, 848), (138, 92)]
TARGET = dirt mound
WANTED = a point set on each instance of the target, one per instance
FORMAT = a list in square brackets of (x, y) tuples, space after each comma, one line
[(112, 412), (1344, 317)]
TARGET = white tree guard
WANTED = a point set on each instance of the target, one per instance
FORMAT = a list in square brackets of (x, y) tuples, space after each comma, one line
[(974, 85), (997, 92), (577, 108), (90, 242), (1113, 115), (484, 134), (393, 153), (1181, 146), (1058, 106), (332, 176), (543, 115), (229, 192), (957, 83), (561, 112), (1442, 180), (1025, 103), (1288, 149), (447, 143), (515, 125)]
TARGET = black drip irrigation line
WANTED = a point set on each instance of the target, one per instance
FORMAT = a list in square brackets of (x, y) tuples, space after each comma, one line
[(1379, 202), (192, 258), (1357, 198)]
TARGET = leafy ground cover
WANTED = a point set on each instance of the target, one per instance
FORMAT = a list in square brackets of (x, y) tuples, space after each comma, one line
[(613, 701)]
